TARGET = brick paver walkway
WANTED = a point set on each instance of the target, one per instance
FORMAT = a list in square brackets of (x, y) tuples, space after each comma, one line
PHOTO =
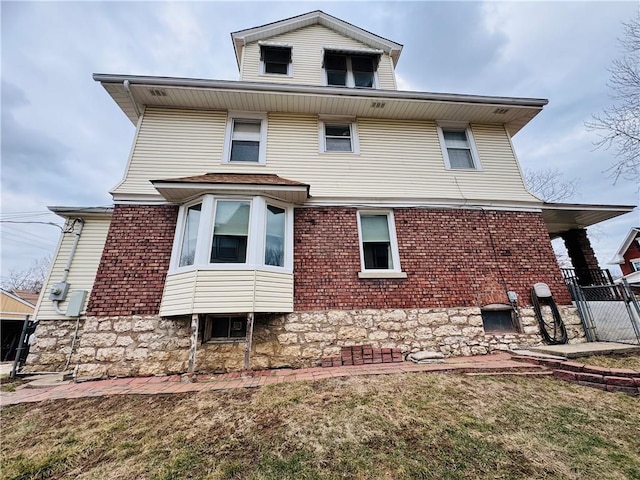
[(500, 362)]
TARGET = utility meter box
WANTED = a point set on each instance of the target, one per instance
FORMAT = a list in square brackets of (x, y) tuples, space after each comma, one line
[(76, 302), (59, 291)]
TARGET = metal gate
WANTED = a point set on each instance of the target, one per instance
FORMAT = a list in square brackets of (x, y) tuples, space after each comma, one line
[(609, 313)]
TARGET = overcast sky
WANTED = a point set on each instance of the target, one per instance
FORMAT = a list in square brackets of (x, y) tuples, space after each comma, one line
[(65, 142)]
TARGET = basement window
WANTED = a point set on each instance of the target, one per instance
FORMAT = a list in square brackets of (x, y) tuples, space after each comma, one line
[(215, 328), (499, 318)]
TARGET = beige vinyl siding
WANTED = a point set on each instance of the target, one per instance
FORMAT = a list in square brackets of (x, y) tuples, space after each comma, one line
[(227, 291), (274, 292), (398, 158), (83, 270), (10, 308), (308, 44), (177, 298), (174, 143)]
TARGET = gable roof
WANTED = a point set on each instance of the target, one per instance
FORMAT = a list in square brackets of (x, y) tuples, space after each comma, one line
[(619, 256), (317, 17)]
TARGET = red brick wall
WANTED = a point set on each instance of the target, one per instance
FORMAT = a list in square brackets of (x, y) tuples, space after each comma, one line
[(134, 261), (449, 256), (632, 253)]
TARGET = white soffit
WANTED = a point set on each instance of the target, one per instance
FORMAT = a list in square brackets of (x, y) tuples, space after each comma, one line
[(514, 113)]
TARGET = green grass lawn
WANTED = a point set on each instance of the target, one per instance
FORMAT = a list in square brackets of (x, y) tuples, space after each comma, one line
[(406, 426)]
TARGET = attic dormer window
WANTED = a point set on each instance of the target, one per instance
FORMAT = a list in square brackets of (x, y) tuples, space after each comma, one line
[(275, 60), (350, 70)]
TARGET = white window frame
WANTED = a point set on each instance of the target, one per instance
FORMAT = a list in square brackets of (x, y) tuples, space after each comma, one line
[(262, 150), (256, 235), (263, 68), (328, 120), (350, 78), (458, 126), (396, 271), (634, 263)]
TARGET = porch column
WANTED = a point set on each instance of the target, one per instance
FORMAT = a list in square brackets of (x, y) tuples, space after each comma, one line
[(582, 256)]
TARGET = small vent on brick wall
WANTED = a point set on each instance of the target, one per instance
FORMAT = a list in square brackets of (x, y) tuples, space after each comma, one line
[(378, 104), (157, 92)]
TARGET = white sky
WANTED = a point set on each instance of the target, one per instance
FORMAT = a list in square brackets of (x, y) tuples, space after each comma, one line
[(65, 142)]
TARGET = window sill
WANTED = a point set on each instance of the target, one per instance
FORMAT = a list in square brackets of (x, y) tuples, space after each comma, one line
[(225, 341), (382, 274)]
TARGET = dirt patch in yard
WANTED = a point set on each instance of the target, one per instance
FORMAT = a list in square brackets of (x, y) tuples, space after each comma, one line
[(384, 427)]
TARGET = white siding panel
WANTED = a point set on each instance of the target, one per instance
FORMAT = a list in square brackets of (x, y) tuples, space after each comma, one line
[(83, 270), (274, 292), (308, 44), (177, 298), (227, 291), (397, 159), (174, 143)]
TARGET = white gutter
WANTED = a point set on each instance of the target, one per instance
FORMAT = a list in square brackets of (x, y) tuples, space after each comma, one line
[(130, 80)]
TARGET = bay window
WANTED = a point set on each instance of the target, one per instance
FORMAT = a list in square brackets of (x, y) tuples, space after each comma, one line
[(225, 232)]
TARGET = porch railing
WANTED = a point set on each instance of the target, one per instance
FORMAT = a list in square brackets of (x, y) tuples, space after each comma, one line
[(587, 276)]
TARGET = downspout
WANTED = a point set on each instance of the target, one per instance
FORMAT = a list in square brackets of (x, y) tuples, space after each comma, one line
[(67, 267), (126, 84)]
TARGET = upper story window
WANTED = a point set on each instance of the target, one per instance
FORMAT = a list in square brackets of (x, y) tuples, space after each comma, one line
[(350, 70), (234, 232), (458, 147), (275, 60), (338, 134), (246, 138), (635, 265)]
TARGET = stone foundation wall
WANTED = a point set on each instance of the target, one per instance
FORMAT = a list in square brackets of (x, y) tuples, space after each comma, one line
[(150, 345)]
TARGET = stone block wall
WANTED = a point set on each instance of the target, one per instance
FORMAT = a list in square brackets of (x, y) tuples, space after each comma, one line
[(150, 345)]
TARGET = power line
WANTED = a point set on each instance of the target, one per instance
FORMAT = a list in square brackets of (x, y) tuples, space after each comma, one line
[(43, 223)]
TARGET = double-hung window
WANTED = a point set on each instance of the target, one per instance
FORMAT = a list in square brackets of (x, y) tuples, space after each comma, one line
[(378, 245), (276, 60), (246, 138), (350, 70), (458, 148), (338, 134), (190, 235), (635, 265)]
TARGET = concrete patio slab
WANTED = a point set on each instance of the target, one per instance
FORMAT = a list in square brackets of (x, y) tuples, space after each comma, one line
[(585, 349)]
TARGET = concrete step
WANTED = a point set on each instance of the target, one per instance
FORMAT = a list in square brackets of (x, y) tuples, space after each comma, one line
[(48, 380)]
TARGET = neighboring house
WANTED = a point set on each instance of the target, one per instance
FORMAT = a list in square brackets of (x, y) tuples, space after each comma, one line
[(14, 307), (628, 257), (308, 206)]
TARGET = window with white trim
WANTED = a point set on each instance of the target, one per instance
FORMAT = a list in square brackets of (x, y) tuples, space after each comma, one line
[(378, 244), (458, 148), (350, 70), (635, 264), (190, 236), (232, 232), (338, 135), (275, 60), (246, 138)]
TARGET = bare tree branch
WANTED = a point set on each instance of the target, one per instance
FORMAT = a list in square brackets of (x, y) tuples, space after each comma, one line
[(549, 185), (619, 124), (31, 279)]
